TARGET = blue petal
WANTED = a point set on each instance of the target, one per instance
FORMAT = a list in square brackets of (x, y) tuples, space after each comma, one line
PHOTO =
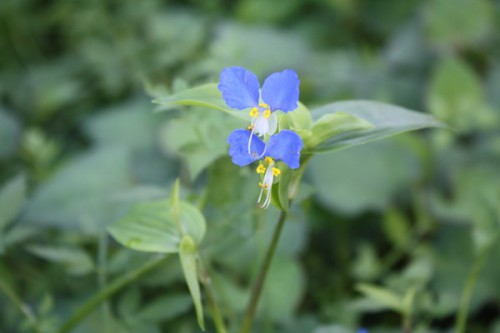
[(238, 147), (285, 146), (281, 90), (239, 87)]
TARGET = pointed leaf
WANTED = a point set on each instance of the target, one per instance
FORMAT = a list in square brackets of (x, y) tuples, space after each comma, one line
[(387, 120), (12, 198), (330, 125), (150, 227), (206, 96), (188, 255), (383, 296)]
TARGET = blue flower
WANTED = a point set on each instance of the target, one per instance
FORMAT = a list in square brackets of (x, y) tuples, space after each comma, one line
[(284, 146), (240, 90)]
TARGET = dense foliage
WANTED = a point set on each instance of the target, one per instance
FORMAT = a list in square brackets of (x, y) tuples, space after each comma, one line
[(397, 234)]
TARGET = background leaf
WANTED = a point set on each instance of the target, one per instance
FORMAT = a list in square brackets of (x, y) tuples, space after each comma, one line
[(12, 198)]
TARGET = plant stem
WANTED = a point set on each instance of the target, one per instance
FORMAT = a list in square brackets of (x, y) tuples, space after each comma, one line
[(257, 288), (220, 327), (105, 293), (102, 277), (470, 283), (24, 309)]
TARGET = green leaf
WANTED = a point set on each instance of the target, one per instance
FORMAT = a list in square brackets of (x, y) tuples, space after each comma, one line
[(188, 255), (128, 124), (150, 227), (355, 180), (387, 120), (408, 299), (456, 96), (280, 192), (78, 195), (9, 133), (165, 308), (12, 198), (175, 210), (207, 96), (199, 137), (298, 119), (75, 260), (287, 187), (330, 125), (458, 22), (397, 228), (284, 274), (383, 296)]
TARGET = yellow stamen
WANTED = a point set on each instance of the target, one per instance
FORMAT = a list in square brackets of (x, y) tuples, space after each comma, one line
[(276, 172), (250, 127), (264, 186), (254, 113), (267, 113), (264, 105), (269, 160), (261, 168)]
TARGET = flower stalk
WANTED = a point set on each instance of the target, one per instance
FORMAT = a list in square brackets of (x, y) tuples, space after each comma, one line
[(259, 283)]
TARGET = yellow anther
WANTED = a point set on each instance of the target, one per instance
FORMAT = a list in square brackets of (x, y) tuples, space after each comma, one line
[(261, 168), (276, 172), (250, 127), (267, 113), (254, 112), (269, 160), (264, 105), (264, 186)]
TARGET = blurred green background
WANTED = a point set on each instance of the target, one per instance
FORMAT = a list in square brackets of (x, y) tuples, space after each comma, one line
[(80, 144)]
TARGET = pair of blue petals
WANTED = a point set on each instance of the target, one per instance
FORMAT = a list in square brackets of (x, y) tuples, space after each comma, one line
[(240, 89), (280, 91), (284, 146)]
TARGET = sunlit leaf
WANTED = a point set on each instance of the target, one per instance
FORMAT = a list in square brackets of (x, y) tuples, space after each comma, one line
[(188, 255), (151, 227), (383, 296), (329, 126), (386, 119), (207, 96)]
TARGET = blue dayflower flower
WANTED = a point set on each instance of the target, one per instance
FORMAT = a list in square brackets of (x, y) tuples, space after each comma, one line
[(240, 154), (284, 146), (240, 90)]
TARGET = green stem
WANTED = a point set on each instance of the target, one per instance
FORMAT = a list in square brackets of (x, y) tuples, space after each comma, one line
[(257, 289), (470, 283), (24, 309), (206, 281), (102, 277), (220, 327), (104, 294)]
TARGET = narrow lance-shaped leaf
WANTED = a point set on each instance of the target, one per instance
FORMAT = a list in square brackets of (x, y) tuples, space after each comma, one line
[(188, 255), (205, 96), (383, 296), (12, 198), (330, 125), (175, 210), (387, 120)]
